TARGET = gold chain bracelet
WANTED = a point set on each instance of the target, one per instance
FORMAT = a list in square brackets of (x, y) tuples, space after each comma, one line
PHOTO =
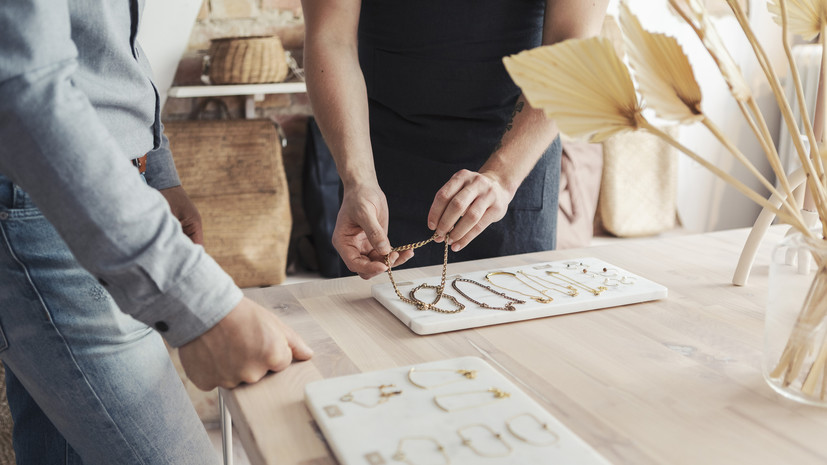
[(497, 394), (466, 441), (383, 395), (401, 456), (543, 436), (464, 374)]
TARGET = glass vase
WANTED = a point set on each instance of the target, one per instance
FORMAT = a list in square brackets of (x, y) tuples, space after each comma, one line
[(795, 334)]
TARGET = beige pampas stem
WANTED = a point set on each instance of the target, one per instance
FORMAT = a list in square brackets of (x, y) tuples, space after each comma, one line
[(820, 119), (783, 215), (786, 201), (695, 15), (816, 188), (799, 92)]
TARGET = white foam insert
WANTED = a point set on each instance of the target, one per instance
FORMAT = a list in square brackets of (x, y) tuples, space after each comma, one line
[(360, 435), (430, 322)]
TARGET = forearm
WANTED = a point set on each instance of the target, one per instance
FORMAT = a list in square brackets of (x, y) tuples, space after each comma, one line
[(336, 88), (527, 135), (529, 132)]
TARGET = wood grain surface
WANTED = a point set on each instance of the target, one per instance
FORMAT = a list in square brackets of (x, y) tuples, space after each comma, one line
[(676, 381)]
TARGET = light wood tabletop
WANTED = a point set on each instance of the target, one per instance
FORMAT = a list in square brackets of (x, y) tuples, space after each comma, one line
[(675, 381)]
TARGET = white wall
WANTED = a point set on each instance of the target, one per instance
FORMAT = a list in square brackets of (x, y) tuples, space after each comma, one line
[(704, 203), (165, 30)]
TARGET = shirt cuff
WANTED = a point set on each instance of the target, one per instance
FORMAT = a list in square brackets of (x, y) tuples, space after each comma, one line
[(193, 305)]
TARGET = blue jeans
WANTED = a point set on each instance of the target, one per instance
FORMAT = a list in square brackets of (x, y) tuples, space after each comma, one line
[(86, 383)]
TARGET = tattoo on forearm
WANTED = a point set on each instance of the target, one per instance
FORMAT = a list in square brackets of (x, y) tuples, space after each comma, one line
[(517, 108)]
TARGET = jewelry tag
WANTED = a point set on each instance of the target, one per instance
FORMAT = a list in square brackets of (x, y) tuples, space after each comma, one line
[(333, 411), (374, 458)]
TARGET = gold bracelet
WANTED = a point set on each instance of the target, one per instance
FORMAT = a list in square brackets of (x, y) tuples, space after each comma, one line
[(422, 305), (543, 300), (400, 455), (383, 395), (467, 441), (465, 374), (498, 394), (544, 428), (509, 306)]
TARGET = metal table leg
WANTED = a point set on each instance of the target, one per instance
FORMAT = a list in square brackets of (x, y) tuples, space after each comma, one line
[(226, 430)]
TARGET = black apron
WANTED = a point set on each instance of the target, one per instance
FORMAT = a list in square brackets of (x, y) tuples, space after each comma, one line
[(440, 99)]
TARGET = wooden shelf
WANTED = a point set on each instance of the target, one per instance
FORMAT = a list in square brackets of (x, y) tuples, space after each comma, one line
[(253, 92), (237, 89)]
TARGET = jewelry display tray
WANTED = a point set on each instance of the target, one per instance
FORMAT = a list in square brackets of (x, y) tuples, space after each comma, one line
[(431, 322), (360, 435)]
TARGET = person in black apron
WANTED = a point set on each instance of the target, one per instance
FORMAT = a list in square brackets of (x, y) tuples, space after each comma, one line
[(429, 132)]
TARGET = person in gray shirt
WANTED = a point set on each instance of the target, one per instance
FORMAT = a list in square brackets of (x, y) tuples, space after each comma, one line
[(100, 259)]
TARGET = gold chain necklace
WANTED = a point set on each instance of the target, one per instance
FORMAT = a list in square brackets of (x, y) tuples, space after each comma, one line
[(419, 304), (543, 300), (560, 276), (569, 290), (509, 306)]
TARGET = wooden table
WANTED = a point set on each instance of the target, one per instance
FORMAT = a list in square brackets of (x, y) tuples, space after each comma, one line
[(676, 381)]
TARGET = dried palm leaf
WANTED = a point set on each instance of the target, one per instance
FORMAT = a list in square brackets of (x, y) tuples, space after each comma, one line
[(582, 84), (664, 75), (696, 16), (806, 18)]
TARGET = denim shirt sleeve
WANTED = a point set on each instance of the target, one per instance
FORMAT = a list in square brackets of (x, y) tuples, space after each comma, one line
[(55, 146)]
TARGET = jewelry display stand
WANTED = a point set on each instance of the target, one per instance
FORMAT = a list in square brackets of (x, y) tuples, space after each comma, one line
[(622, 288), (490, 420)]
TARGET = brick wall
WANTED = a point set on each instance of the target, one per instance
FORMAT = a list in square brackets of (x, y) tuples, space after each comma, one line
[(230, 18)]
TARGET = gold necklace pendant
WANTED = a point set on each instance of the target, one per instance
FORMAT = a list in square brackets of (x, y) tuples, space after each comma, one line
[(509, 306), (568, 290), (383, 395), (464, 374), (543, 298), (498, 394), (560, 276)]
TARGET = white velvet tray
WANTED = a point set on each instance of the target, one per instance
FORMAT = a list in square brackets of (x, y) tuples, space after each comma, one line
[(360, 435), (430, 322)]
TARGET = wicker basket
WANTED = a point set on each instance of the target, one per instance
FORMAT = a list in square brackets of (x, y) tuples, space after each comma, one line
[(233, 172), (247, 60)]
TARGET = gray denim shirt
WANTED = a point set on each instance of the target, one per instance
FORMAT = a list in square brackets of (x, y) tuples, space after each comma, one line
[(76, 105)]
